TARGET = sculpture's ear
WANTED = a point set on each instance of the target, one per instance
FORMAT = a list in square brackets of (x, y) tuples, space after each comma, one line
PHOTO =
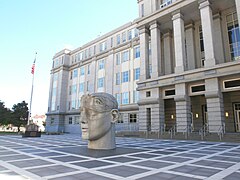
[(115, 115)]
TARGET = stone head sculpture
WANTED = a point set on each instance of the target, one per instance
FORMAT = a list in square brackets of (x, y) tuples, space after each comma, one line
[(99, 112)]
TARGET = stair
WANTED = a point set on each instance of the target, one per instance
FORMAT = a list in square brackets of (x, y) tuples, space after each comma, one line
[(227, 137)]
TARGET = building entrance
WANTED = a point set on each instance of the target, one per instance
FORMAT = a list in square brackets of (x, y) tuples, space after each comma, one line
[(237, 116)]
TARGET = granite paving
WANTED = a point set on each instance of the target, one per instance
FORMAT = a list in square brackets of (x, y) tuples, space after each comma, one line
[(66, 157)]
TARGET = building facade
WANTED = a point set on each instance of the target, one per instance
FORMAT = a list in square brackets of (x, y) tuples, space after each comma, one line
[(176, 66)]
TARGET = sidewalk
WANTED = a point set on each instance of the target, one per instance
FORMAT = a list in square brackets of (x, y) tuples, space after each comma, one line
[(67, 157)]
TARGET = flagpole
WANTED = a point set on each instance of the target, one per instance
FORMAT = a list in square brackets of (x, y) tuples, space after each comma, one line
[(30, 107)]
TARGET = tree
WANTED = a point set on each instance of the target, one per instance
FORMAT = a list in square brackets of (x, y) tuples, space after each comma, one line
[(20, 114), (5, 114)]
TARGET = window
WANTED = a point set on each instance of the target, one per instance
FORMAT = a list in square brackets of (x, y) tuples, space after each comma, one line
[(136, 32), (132, 118), (111, 41), (54, 91), (76, 119), (234, 83), (136, 73), (101, 82), (142, 10), (125, 98), (52, 121), (71, 75), (82, 71), (81, 87), (70, 120), (101, 64), (125, 56), (81, 56), (233, 36), (135, 96), (129, 34), (103, 46), (125, 76), (148, 93), (90, 52), (120, 119), (149, 123), (170, 92), (201, 46), (137, 52), (198, 88), (75, 73), (150, 70), (86, 53), (118, 59), (118, 39), (118, 78), (118, 97), (74, 104), (123, 37), (79, 103), (74, 89), (53, 106)]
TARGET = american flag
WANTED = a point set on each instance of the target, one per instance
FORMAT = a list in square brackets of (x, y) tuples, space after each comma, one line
[(33, 66)]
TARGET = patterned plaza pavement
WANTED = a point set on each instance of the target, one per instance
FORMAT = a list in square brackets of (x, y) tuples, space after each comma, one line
[(67, 157)]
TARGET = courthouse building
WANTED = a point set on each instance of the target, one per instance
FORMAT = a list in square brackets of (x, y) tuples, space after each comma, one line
[(176, 65)]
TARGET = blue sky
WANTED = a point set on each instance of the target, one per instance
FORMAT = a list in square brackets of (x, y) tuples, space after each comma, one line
[(46, 27)]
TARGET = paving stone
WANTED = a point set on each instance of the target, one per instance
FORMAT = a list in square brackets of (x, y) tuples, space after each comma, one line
[(123, 171), (92, 164), (68, 158), (153, 164)]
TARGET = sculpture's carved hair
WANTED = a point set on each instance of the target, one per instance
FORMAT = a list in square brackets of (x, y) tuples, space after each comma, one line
[(108, 101)]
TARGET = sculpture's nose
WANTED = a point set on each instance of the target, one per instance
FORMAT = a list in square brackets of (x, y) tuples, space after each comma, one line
[(83, 118)]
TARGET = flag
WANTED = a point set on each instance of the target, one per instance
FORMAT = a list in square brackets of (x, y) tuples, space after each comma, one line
[(33, 66)]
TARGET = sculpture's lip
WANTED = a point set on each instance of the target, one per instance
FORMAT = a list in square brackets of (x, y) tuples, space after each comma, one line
[(84, 129)]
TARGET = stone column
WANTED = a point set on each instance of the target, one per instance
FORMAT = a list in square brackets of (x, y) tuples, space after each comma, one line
[(156, 104), (215, 106), (144, 53), (179, 42), (190, 59), (156, 49), (183, 108), (157, 107), (168, 53), (238, 9), (207, 28), (218, 41)]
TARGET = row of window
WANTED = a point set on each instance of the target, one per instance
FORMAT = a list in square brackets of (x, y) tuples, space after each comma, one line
[(73, 88), (132, 118), (120, 38), (125, 76), (101, 63), (124, 98)]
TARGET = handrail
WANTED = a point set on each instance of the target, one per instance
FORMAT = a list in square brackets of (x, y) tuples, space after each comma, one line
[(172, 131), (221, 131), (187, 130), (203, 130)]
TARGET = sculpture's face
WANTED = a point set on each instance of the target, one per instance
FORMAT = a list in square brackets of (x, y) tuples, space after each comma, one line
[(96, 117)]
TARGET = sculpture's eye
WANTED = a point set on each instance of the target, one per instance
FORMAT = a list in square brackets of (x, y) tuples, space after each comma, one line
[(98, 101)]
